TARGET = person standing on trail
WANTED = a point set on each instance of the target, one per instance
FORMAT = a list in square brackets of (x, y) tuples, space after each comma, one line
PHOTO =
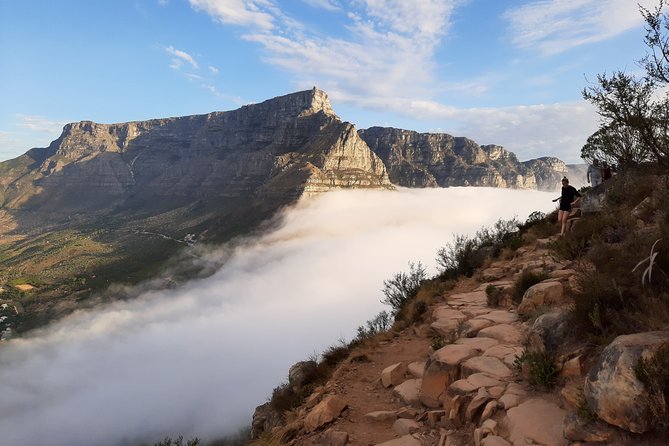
[(594, 173), (569, 197)]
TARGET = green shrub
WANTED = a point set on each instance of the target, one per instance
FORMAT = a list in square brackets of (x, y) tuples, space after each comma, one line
[(179, 441), (526, 279), (494, 295), (541, 368), (403, 287), (379, 324), (654, 374)]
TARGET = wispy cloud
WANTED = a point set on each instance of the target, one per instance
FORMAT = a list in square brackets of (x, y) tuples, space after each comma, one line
[(216, 92), (330, 5), (238, 12), (553, 26), (214, 70), (39, 123), (180, 57)]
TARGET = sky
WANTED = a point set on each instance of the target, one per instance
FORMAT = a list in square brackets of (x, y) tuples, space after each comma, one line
[(197, 359), (500, 72)]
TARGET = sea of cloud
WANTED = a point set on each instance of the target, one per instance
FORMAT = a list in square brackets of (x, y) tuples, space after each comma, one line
[(197, 359)]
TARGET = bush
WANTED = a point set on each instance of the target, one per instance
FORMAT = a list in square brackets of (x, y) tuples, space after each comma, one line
[(168, 441), (654, 374), (494, 295), (403, 287), (466, 254), (526, 279), (541, 368), (379, 324)]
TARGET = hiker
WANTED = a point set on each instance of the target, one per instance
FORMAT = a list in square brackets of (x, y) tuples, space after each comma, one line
[(569, 197), (594, 173)]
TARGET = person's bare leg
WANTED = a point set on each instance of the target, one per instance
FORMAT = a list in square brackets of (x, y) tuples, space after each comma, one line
[(563, 217)]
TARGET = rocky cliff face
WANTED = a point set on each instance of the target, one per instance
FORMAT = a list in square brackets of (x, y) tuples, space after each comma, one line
[(289, 144), (439, 160)]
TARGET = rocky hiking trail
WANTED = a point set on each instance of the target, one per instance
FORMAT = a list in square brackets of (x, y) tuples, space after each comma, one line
[(402, 392)]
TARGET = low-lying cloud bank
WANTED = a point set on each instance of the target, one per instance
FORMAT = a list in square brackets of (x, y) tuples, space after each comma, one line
[(197, 359)]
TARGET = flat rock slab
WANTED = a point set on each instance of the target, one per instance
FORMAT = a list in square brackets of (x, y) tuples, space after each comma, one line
[(504, 333), (498, 283), (445, 327), (536, 421), (478, 380), (446, 312), (488, 365), (471, 298), (471, 327), (454, 354), (381, 415), (416, 369), (474, 311), (500, 317), (494, 440), (506, 353), (481, 344)]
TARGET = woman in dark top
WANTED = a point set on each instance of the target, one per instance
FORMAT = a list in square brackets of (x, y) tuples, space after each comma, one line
[(568, 198)]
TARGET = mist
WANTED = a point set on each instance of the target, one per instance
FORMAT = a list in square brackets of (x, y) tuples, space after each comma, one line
[(196, 360)]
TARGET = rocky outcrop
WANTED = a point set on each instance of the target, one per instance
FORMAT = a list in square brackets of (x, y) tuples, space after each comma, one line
[(612, 389), (439, 160)]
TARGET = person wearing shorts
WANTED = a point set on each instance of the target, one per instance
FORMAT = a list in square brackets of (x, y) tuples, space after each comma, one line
[(568, 198)]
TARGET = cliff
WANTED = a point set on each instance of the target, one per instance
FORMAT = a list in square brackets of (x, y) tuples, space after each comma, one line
[(287, 145), (440, 160)]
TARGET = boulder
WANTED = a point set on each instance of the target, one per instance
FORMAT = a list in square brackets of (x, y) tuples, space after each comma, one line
[(488, 365), (417, 369), (324, 412), (335, 438), (380, 415), (504, 333), (393, 375), (404, 426), (300, 374), (442, 369), (612, 389), (409, 391), (576, 429), (549, 331), (494, 440), (265, 418), (543, 293), (500, 317)]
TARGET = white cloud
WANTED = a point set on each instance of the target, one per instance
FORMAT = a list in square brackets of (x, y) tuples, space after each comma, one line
[(163, 2), (330, 5), (197, 359), (216, 92), (180, 57), (194, 77), (214, 70), (39, 124), (237, 12), (554, 26)]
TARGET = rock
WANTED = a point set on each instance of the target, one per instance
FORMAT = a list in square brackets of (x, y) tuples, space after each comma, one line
[(434, 417), (393, 375), (324, 412), (265, 418), (461, 387), (481, 398), (479, 343), (445, 327), (500, 317), (300, 374), (494, 440), (472, 327), (571, 368), (562, 274), (443, 369), (490, 425), (407, 412), (509, 400), (405, 440), (504, 333), (543, 293), (516, 389), (549, 331), (380, 415), (536, 420), (445, 312), (571, 395), (335, 438), (491, 274), (409, 391), (416, 369), (488, 365), (611, 388), (472, 298), (405, 426), (496, 391), (482, 380), (576, 429), (489, 410)]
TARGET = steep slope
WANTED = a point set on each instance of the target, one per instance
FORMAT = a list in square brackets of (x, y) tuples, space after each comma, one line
[(440, 160), (111, 202)]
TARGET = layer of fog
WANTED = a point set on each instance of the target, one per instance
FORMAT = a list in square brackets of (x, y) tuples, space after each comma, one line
[(197, 359)]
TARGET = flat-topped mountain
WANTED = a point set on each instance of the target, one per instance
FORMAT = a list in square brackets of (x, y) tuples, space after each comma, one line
[(111, 202)]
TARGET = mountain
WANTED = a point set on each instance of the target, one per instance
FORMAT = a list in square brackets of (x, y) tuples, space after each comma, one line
[(107, 203), (439, 160)]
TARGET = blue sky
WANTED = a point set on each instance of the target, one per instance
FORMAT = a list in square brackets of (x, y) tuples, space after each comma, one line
[(499, 72)]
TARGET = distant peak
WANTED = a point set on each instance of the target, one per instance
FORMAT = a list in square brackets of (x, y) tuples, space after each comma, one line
[(316, 100)]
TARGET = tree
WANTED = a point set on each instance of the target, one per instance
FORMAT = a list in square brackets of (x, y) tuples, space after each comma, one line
[(635, 108)]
